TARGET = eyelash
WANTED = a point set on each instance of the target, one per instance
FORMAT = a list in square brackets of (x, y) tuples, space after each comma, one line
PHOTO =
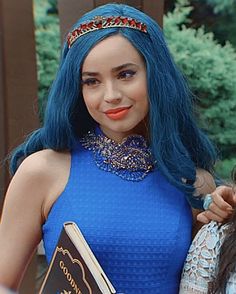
[(89, 82), (123, 75), (130, 73)]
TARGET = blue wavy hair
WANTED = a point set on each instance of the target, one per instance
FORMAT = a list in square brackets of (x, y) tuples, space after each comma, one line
[(178, 145)]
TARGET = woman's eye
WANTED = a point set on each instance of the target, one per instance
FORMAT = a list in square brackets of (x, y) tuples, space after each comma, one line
[(126, 74), (90, 82)]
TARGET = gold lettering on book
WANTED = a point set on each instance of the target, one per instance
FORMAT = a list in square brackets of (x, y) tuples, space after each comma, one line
[(69, 278), (73, 260), (66, 292)]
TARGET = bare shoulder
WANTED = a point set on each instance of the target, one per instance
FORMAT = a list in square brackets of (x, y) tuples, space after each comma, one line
[(46, 165), (43, 174), (42, 162)]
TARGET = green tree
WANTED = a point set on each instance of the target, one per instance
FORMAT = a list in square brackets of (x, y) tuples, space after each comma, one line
[(47, 49), (222, 6), (211, 71), (220, 19), (217, 16)]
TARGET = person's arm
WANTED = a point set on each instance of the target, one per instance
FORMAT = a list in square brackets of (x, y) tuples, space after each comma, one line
[(30, 195), (20, 227), (200, 265)]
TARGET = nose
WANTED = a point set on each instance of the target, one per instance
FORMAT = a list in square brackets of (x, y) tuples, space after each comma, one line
[(112, 93)]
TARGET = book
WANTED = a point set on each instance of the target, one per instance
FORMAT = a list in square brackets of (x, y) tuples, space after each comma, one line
[(74, 268)]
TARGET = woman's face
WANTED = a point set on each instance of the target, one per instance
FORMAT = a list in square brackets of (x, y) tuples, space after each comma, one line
[(114, 87)]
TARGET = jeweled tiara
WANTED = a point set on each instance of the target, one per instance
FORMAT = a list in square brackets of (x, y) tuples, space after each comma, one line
[(100, 22)]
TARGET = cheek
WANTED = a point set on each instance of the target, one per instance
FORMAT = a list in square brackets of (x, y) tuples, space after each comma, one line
[(143, 102), (87, 104), (139, 90), (144, 95), (145, 107), (89, 100), (142, 98), (91, 107)]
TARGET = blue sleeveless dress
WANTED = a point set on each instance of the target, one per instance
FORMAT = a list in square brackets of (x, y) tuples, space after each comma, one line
[(139, 231)]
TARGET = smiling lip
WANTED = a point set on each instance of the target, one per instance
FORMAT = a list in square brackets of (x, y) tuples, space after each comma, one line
[(117, 113)]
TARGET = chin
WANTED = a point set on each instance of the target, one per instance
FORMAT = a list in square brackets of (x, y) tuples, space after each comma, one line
[(124, 127)]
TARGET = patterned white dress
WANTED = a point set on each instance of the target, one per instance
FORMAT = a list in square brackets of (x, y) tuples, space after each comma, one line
[(201, 262)]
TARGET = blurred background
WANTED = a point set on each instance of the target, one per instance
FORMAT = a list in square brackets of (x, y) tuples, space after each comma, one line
[(202, 38)]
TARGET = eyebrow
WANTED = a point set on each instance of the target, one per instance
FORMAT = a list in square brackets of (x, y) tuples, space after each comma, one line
[(114, 69)]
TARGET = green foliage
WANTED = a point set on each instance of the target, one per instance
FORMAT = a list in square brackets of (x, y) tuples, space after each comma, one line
[(211, 71), (225, 167), (222, 6), (223, 22), (53, 7), (217, 16), (47, 49)]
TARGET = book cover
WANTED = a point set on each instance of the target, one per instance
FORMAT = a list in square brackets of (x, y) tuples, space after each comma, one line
[(74, 269)]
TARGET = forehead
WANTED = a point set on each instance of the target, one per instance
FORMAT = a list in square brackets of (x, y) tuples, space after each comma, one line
[(112, 51)]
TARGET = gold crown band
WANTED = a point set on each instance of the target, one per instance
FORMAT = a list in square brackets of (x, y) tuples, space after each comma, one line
[(100, 22)]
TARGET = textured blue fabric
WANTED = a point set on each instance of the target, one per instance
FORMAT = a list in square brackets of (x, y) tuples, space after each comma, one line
[(140, 231)]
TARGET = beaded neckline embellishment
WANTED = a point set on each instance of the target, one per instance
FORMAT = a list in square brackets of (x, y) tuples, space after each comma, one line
[(131, 159)]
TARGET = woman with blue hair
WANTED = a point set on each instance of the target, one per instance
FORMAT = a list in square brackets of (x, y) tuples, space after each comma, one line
[(118, 154)]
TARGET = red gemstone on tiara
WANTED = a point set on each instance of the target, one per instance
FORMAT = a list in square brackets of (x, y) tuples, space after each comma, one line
[(109, 19), (125, 20), (117, 20), (99, 25), (84, 26), (144, 28), (90, 24), (132, 22)]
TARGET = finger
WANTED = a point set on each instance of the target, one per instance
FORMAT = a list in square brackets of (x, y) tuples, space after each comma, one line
[(212, 216), (202, 218), (220, 202), (226, 193), (214, 208)]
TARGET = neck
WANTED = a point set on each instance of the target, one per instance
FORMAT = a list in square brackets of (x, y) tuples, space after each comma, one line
[(140, 129)]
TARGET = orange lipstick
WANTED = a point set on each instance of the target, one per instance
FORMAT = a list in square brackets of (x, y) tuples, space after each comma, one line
[(117, 113)]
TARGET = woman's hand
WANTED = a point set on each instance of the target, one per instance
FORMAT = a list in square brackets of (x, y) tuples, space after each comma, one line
[(221, 207)]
